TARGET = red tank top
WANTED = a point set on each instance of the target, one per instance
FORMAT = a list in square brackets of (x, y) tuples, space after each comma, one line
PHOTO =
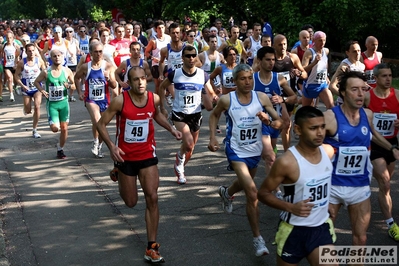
[(135, 129), (369, 66), (300, 52), (88, 58), (384, 113)]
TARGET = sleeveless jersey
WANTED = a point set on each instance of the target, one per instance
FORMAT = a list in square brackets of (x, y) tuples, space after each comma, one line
[(243, 127), (72, 60), (386, 111), (83, 43), (96, 86), (314, 182), (30, 73), (239, 48), (55, 86), (62, 48), (318, 74), (9, 55), (255, 46), (157, 51), (370, 64), (227, 77), (123, 49), (109, 50), (129, 66), (209, 66), (135, 129), (352, 166), (358, 66), (174, 59), (188, 90), (273, 87), (300, 52), (284, 67)]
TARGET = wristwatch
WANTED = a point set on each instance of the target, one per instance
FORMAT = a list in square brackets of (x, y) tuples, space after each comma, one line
[(284, 99), (394, 147)]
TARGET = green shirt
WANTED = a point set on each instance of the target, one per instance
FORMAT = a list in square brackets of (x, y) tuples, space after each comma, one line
[(55, 86)]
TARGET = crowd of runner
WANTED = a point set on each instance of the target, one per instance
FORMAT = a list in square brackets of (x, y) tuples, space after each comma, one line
[(246, 74)]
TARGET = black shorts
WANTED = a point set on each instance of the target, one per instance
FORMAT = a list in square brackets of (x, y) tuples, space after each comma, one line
[(73, 68), (296, 242), (10, 68), (379, 152), (193, 121), (132, 168), (155, 71)]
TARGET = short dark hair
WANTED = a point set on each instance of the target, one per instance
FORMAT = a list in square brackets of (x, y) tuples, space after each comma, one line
[(188, 48), (306, 112), (174, 25), (260, 54), (307, 26), (227, 49), (343, 79), (377, 68), (349, 44)]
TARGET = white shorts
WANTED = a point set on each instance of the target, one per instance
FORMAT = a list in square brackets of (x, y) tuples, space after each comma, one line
[(349, 195)]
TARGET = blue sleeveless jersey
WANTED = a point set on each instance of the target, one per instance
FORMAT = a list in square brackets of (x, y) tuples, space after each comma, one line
[(351, 161)]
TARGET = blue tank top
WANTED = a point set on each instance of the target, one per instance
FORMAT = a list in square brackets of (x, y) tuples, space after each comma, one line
[(227, 77), (128, 67), (351, 162), (273, 87)]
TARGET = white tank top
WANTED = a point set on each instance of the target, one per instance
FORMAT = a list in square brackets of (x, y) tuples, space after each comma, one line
[(157, 51), (358, 66), (243, 127), (318, 74), (255, 46), (9, 55), (207, 64), (314, 182), (72, 60), (30, 73)]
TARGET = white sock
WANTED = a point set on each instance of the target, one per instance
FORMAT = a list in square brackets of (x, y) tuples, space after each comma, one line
[(389, 222), (95, 141)]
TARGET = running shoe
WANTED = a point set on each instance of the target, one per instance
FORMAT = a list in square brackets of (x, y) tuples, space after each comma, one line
[(12, 99), (113, 174), (227, 202), (60, 154), (100, 153), (260, 247), (393, 232), (94, 148), (18, 90), (179, 170), (71, 99), (36, 135), (1, 98), (218, 130), (152, 255), (169, 100)]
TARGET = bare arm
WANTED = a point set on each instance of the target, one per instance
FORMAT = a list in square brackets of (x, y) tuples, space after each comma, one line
[(80, 74), (162, 121), (114, 107), (214, 117), (118, 72)]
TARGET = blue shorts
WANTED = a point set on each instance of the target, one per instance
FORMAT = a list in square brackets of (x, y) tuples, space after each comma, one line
[(296, 242), (269, 131), (250, 61), (29, 93), (102, 104), (251, 162), (312, 91)]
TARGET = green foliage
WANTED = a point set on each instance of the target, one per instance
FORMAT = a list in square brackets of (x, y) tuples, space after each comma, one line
[(98, 14)]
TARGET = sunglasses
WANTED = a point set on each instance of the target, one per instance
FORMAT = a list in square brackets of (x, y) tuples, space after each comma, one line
[(191, 36), (82, 31), (26, 40), (190, 55), (69, 31), (123, 24)]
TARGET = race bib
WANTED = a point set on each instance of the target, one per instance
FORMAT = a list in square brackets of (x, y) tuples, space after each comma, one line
[(369, 76), (56, 93), (321, 76), (96, 92), (351, 160), (286, 75), (384, 123), (188, 100), (136, 131), (317, 190), (228, 81)]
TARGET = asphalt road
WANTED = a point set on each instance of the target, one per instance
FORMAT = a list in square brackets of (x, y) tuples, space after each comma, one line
[(68, 212)]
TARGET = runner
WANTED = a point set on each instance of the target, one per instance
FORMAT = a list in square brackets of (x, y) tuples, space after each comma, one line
[(134, 151), (58, 80), (243, 144)]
